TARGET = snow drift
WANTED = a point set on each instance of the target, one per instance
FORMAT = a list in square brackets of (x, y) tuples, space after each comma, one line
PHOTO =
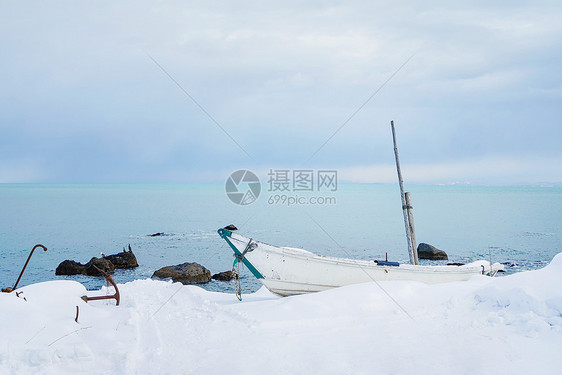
[(509, 324)]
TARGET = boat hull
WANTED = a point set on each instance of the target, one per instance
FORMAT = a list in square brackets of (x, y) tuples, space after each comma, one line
[(289, 271)]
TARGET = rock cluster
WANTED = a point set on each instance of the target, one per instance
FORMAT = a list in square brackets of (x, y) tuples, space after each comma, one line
[(185, 273), (125, 259)]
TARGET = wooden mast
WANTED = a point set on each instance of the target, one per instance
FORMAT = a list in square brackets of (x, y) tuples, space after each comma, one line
[(406, 206)]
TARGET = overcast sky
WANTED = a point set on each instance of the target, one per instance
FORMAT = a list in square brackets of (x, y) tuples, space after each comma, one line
[(478, 100)]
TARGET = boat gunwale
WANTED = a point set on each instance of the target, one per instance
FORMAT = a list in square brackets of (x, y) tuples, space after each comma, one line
[(470, 268)]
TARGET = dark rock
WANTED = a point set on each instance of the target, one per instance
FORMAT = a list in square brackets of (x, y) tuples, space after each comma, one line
[(223, 276), (69, 267), (455, 264), (230, 227), (426, 251), (101, 263), (509, 264), (186, 273), (125, 259), (159, 234)]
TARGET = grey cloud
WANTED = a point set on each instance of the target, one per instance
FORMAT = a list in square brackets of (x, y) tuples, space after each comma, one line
[(279, 77)]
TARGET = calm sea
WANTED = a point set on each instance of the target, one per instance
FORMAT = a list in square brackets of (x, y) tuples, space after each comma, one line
[(510, 224)]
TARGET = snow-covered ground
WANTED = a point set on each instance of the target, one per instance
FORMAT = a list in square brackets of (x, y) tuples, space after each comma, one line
[(508, 325)]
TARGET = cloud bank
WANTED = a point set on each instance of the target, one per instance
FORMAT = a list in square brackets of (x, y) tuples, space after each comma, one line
[(81, 101)]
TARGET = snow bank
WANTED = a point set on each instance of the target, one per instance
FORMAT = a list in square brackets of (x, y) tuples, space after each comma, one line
[(509, 325)]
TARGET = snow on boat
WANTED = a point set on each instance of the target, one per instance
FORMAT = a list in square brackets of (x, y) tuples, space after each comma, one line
[(288, 271)]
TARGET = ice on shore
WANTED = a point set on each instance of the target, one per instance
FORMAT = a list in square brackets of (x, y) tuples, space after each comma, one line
[(509, 325)]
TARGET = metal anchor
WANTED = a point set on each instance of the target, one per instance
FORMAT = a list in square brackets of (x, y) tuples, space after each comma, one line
[(109, 280)]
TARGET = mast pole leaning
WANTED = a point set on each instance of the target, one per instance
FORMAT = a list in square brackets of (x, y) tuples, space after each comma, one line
[(406, 206)]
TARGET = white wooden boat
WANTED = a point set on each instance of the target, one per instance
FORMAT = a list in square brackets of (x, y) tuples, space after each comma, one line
[(288, 271)]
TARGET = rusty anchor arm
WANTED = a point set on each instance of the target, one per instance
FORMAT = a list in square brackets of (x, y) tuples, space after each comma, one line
[(109, 279), (8, 290)]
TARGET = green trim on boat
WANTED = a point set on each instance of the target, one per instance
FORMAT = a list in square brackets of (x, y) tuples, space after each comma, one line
[(225, 234)]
